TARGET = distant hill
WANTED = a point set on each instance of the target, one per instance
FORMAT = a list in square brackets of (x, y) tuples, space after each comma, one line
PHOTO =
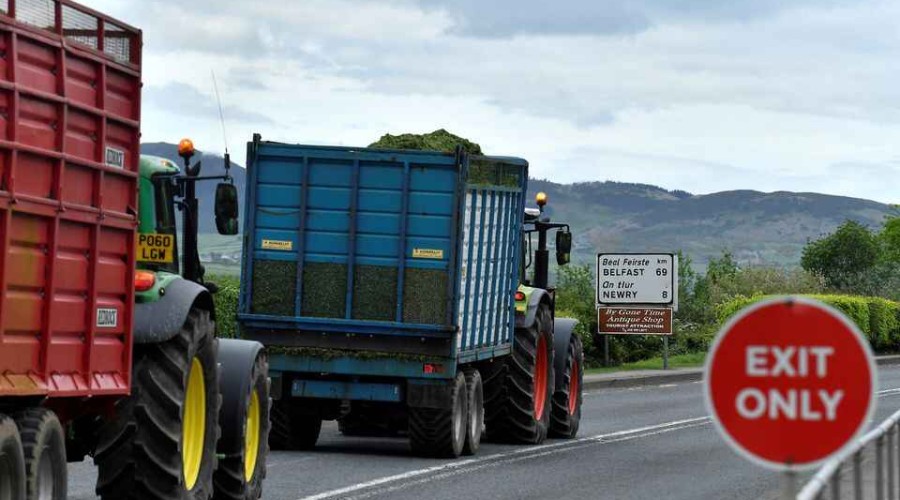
[(759, 228)]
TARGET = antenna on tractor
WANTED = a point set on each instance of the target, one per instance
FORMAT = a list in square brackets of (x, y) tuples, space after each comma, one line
[(222, 120)]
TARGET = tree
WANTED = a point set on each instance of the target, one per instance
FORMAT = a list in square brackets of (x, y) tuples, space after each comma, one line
[(844, 257), (890, 239)]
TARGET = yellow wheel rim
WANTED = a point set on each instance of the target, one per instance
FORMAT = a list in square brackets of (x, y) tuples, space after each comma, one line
[(251, 437), (194, 430)]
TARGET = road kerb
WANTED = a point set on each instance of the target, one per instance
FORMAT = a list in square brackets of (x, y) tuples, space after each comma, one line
[(626, 379)]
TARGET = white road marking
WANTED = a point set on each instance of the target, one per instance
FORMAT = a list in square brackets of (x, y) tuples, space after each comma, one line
[(514, 455)]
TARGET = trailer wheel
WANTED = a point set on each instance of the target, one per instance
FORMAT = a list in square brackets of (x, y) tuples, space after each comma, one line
[(240, 476), (475, 422), (44, 449), (566, 414), (161, 443), (517, 406), (441, 432), (12, 461), (291, 429)]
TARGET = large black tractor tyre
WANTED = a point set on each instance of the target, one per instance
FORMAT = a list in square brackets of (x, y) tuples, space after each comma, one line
[(161, 443), (475, 420), (44, 448), (519, 391), (565, 416), (292, 429), (12, 461), (441, 432), (244, 420)]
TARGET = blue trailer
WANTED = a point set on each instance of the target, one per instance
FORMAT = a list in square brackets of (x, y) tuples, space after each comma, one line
[(390, 290)]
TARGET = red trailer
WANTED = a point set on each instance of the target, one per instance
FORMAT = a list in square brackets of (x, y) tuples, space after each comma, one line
[(70, 82), (69, 153), (72, 325)]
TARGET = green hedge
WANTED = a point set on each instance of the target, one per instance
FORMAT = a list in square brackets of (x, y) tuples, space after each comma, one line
[(877, 318), (226, 302)]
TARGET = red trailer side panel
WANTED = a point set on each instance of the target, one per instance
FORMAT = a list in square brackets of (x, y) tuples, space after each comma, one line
[(69, 150)]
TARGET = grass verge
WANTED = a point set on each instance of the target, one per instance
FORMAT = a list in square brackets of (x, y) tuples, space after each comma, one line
[(691, 360)]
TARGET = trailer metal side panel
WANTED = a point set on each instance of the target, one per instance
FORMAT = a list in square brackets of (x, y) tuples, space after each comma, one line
[(346, 246), (69, 149), (491, 232)]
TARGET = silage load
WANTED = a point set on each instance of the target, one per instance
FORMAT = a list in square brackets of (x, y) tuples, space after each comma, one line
[(439, 140), (274, 287)]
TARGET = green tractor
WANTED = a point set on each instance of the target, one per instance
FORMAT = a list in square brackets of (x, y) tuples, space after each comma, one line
[(537, 393), (188, 387)]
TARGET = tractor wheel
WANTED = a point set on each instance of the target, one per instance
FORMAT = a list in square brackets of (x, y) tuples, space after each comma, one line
[(437, 432), (12, 461), (44, 447), (161, 444), (292, 430), (240, 477), (518, 398), (475, 421), (566, 413)]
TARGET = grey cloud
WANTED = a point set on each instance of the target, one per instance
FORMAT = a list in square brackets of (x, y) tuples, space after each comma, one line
[(180, 98), (508, 18), (244, 80), (504, 18), (859, 178), (719, 168)]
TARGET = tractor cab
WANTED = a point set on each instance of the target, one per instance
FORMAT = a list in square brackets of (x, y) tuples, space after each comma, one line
[(536, 221), (164, 188)]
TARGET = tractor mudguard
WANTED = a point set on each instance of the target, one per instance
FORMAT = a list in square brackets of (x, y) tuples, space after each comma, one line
[(236, 361), (161, 320), (563, 329), (527, 319)]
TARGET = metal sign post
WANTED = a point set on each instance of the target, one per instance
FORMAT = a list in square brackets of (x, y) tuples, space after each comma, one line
[(666, 352), (789, 485)]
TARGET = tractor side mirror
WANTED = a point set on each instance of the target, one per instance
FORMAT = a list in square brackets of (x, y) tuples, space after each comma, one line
[(563, 247), (226, 209)]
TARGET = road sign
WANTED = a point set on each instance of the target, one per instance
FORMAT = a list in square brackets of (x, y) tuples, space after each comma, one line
[(634, 320), (637, 278), (790, 382)]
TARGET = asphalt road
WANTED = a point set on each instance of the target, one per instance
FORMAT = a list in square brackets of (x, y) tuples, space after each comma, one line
[(638, 443)]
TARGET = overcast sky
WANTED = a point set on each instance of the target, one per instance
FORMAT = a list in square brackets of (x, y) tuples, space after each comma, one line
[(700, 95)]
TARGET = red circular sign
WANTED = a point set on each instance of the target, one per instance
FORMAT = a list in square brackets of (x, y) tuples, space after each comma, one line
[(789, 382)]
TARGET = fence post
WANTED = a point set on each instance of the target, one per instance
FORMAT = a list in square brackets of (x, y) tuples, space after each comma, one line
[(890, 463), (836, 483), (896, 429), (857, 475), (879, 473)]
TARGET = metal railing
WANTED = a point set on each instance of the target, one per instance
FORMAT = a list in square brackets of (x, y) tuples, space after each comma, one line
[(880, 448), (79, 24)]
